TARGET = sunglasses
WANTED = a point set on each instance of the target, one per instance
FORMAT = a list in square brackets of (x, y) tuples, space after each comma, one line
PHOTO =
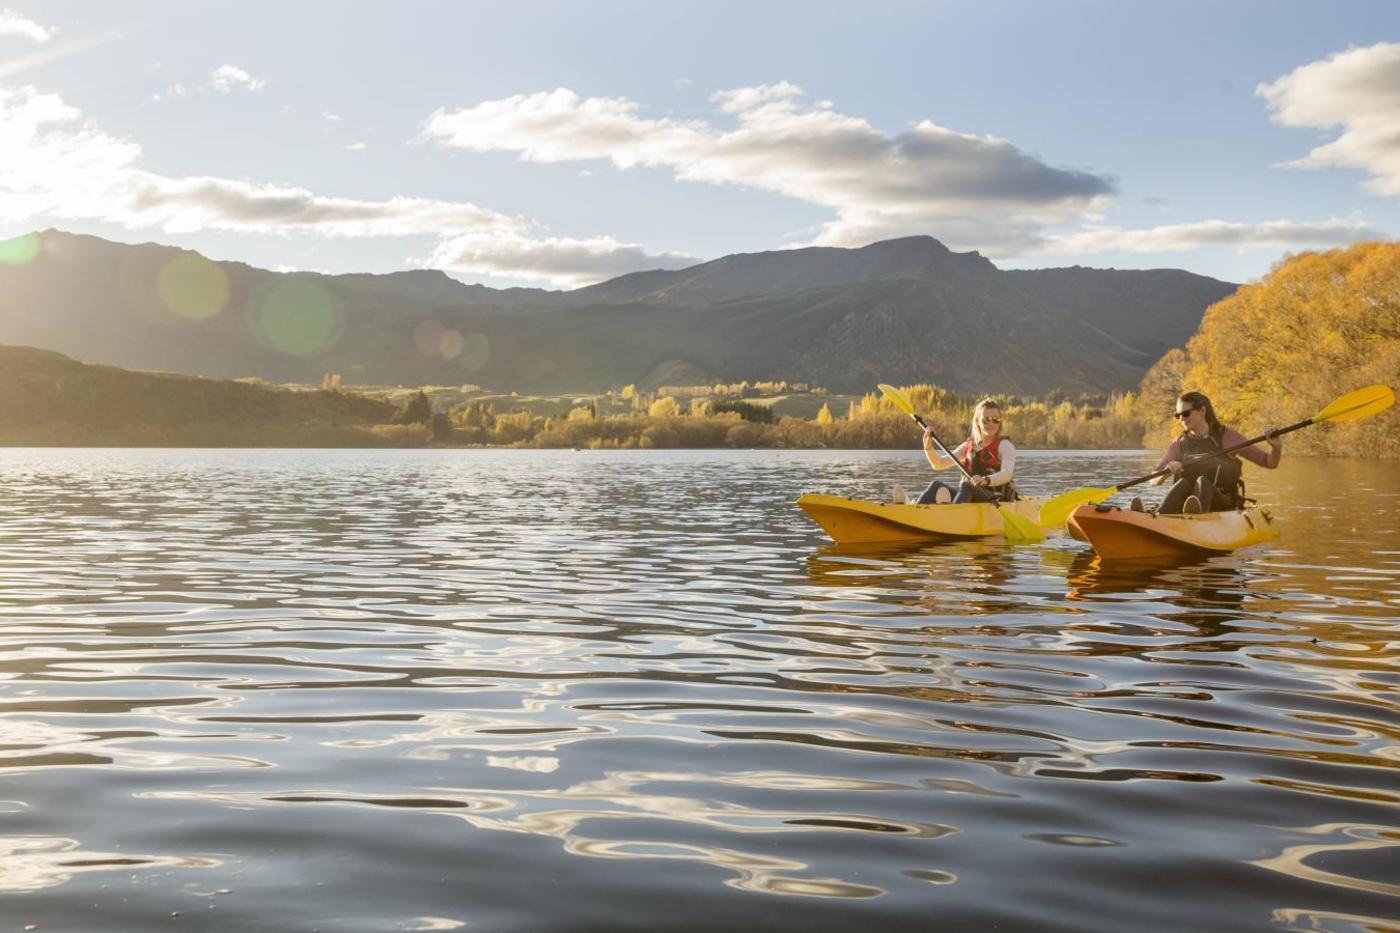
[(1183, 415), (986, 420)]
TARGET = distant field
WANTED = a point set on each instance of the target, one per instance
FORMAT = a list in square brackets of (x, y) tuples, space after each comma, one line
[(444, 398)]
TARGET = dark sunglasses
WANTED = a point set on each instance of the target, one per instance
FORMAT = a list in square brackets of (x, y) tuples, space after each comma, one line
[(987, 420), (1184, 414)]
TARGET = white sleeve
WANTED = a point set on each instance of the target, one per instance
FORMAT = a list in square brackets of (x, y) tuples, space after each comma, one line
[(1008, 465)]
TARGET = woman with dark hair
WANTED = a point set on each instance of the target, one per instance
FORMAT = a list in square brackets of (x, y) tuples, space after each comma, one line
[(988, 455), (1205, 482)]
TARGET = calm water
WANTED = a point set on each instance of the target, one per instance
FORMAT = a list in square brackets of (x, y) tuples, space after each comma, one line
[(519, 690)]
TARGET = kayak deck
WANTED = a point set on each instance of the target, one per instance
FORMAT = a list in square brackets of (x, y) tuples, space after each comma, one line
[(855, 521), (1122, 534)]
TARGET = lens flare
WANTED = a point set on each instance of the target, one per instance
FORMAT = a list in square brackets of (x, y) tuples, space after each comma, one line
[(427, 337), (20, 250), (193, 287), (475, 350), (450, 345), (296, 317)]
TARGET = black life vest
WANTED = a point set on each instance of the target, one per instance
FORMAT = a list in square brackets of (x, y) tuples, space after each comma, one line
[(1224, 473)]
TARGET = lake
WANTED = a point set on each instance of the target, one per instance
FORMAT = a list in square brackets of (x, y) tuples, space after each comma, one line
[(638, 690)]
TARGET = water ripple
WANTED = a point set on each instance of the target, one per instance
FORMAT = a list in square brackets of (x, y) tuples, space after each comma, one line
[(604, 690)]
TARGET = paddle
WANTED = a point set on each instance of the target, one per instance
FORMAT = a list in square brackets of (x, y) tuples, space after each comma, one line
[(1018, 528), (1363, 403)]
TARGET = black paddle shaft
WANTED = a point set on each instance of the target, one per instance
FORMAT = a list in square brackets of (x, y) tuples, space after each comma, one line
[(941, 446), (1220, 453)]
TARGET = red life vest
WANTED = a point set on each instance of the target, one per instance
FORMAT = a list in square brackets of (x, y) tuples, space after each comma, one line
[(986, 461)]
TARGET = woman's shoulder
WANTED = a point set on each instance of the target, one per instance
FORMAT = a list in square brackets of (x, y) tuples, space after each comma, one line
[(1229, 437)]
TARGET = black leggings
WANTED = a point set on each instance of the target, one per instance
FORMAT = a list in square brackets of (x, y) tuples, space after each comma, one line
[(1207, 480), (1200, 487), (966, 492)]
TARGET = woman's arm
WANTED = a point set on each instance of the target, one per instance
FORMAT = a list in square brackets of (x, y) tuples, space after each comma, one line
[(1171, 460), (1001, 477), (935, 456)]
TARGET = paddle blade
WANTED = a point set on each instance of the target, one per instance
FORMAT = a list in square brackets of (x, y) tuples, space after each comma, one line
[(1019, 529), (1363, 403), (897, 397), (1055, 511)]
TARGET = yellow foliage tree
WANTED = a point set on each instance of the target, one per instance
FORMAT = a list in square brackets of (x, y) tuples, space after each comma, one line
[(664, 407), (1317, 326)]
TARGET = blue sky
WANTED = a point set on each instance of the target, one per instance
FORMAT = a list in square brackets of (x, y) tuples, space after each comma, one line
[(557, 144)]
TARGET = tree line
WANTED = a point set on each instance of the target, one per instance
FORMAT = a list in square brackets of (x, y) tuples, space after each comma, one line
[(1275, 352)]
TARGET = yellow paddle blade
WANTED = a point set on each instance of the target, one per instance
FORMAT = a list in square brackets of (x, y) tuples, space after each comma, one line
[(1019, 529), (896, 396), (1363, 403), (1055, 511)]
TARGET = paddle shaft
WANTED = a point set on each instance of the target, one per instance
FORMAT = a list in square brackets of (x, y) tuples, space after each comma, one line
[(1220, 453), (941, 446)]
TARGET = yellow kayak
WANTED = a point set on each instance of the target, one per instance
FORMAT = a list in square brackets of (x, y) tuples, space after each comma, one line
[(1121, 534), (853, 521)]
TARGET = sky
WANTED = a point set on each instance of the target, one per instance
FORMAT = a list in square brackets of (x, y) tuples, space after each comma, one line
[(557, 144)]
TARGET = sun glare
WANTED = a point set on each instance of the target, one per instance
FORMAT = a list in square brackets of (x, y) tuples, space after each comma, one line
[(193, 287), (296, 317), (20, 249)]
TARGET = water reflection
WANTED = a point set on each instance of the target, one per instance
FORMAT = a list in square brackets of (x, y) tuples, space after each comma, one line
[(32, 863), (514, 690)]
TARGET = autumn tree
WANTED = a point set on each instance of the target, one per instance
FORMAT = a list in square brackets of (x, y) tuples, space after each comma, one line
[(1318, 325)]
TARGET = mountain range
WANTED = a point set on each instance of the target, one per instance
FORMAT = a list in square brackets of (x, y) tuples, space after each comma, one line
[(902, 311)]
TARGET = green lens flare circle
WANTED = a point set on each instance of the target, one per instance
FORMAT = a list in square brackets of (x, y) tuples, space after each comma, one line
[(20, 249), (192, 287), (296, 317)]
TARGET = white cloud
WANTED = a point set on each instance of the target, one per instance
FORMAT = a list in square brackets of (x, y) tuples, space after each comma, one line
[(562, 262), (54, 163), (331, 117), (357, 147), (747, 98), (1357, 90), (227, 77), (175, 90), (12, 24), (1272, 234), (970, 191)]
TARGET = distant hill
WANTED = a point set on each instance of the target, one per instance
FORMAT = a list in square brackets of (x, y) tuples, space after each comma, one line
[(748, 275), (47, 398), (907, 310)]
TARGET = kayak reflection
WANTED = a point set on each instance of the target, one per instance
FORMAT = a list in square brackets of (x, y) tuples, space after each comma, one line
[(1209, 594), (953, 577)]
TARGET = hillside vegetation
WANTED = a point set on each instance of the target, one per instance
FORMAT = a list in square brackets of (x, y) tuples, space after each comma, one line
[(47, 399), (907, 310), (1274, 353)]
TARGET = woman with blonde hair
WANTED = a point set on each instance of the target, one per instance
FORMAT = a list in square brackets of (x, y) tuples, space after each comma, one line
[(988, 455)]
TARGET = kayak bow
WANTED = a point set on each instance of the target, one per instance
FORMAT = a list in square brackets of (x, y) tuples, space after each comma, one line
[(1121, 534), (854, 521)]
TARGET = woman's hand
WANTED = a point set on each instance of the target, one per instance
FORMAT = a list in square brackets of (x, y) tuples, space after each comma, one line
[(928, 436), (1271, 435), (1177, 467), (978, 480)]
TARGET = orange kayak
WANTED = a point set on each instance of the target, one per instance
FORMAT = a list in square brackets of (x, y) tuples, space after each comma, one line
[(1121, 534)]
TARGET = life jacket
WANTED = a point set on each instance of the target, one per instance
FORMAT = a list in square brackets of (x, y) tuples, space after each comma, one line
[(1224, 473), (987, 461)]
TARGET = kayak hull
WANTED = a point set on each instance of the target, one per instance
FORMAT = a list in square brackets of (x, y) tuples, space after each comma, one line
[(1122, 534), (855, 521)]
